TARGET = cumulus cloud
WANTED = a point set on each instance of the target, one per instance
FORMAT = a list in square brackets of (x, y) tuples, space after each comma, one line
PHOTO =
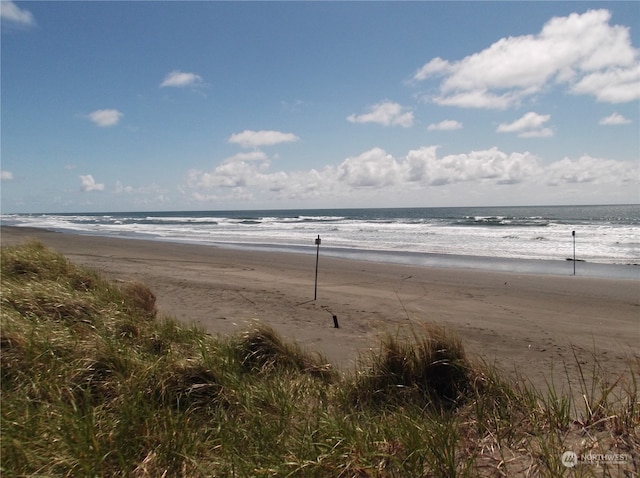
[(89, 184), (446, 125), (424, 167), (371, 169), (613, 85), (6, 175), (435, 67), (582, 51), (249, 138), (614, 119), (250, 177), (530, 120), (481, 98), (529, 126), (105, 118), (180, 79), (588, 169), (387, 113), (11, 14), (237, 171)]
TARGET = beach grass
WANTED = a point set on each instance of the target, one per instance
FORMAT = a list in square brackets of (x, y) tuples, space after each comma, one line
[(95, 383)]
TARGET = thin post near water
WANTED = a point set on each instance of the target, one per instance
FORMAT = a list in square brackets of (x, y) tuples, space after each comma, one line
[(573, 233), (315, 290)]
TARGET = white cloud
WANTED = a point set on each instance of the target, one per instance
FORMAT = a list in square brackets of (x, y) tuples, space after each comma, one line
[(422, 166), (437, 66), (615, 85), (89, 184), (614, 119), (537, 133), (105, 118), (420, 174), (254, 139), (180, 79), (6, 175), (588, 169), (530, 120), (581, 50), (141, 197), (246, 176), (446, 125), (371, 169), (480, 98), (121, 188), (529, 126), (14, 15), (387, 113), (240, 170)]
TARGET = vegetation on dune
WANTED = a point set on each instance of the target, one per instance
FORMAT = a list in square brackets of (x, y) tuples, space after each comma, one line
[(429, 369), (95, 384)]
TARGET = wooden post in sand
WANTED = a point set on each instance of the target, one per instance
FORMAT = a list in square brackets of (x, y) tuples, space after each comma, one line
[(315, 291)]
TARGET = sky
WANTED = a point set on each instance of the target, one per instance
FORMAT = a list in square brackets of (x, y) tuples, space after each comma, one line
[(169, 106)]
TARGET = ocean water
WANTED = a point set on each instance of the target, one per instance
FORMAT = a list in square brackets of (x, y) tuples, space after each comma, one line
[(512, 238)]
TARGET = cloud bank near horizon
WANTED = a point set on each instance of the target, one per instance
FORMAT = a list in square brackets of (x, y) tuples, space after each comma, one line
[(251, 177)]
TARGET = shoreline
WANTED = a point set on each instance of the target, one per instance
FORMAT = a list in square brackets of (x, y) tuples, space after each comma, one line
[(559, 267), (455, 261), (537, 325)]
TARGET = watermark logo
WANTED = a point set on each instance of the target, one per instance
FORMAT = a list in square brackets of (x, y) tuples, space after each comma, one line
[(571, 459)]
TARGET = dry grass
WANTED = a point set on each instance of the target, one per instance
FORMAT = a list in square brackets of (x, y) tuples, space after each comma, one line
[(430, 367), (261, 349)]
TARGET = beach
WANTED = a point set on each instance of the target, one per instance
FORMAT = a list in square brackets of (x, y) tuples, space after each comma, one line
[(542, 327)]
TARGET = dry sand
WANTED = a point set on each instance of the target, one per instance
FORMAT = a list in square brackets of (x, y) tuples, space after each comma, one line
[(535, 324)]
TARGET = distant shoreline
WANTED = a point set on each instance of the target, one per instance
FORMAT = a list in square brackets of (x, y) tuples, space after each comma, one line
[(558, 267)]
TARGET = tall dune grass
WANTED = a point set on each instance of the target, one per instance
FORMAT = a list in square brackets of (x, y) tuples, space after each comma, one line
[(95, 384)]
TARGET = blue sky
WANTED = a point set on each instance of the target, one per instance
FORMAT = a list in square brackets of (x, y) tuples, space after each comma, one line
[(131, 106)]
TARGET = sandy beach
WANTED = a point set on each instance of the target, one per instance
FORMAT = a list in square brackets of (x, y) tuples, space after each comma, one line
[(535, 324)]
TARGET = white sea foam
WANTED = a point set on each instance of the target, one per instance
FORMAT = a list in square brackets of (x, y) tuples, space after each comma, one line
[(604, 234)]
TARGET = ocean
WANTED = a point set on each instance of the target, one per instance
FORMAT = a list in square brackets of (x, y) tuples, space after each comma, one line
[(526, 239)]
